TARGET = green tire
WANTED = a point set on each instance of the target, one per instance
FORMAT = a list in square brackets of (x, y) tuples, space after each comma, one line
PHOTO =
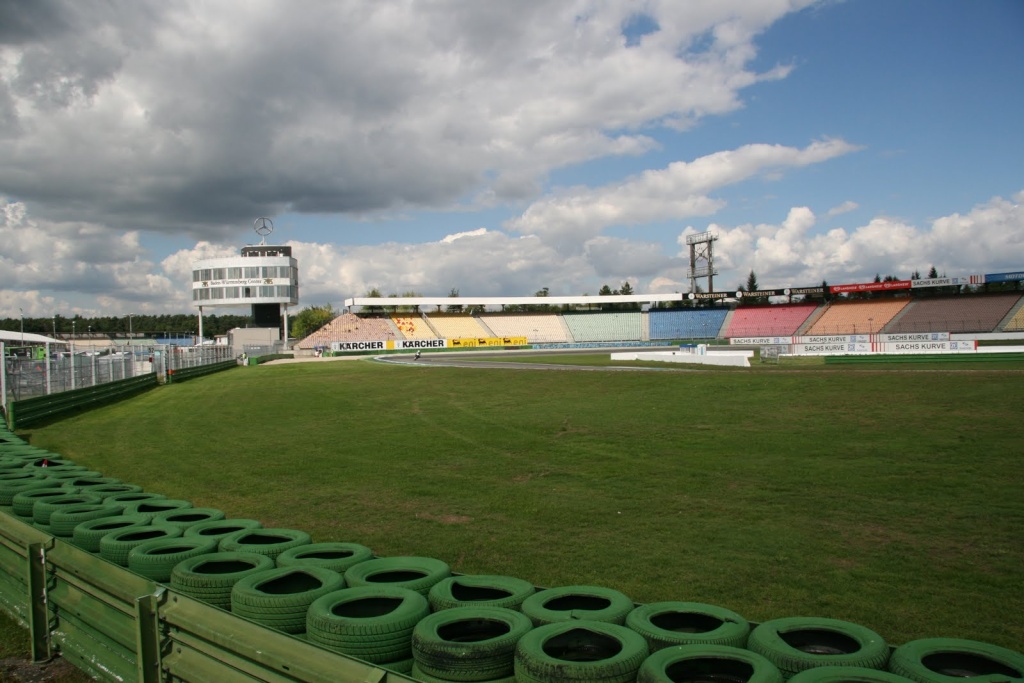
[(87, 535), (44, 509), (64, 521), (184, 518), (415, 573), (374, 623), (794, 644), (222, 528), (270, 542), (280, 598), (334, 556), (707, 663), (23, 503), (846, 674), (664, 624), (154, 506), (211, 577), (156, 559), (578, 652), (117, 545), (469, 643), (570, 603), (479, 591), (945, 660)]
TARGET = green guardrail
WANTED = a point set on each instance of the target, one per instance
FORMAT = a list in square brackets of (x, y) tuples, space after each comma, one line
[(182, 374), (118, 626), (925, 358), (31, 410)]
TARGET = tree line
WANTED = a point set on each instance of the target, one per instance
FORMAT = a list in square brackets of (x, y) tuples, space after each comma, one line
[(142, 326)]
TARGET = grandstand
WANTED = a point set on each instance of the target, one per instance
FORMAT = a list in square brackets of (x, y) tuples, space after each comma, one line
[(702, 323), (605, 327), (769, 321), (981, 313), (457, 325), (857, 317), (970, 313), (889, 306), (538, 328)]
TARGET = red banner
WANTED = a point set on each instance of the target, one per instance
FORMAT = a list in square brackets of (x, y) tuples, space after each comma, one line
[(870, 286)]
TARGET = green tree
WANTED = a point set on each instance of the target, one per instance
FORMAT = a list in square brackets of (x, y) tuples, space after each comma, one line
[(751, 282), (454, 308), (311, 319), (933, 272)]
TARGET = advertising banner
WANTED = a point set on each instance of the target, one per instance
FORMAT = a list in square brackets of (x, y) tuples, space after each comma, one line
[(474, 342), (1004, 277), (871, 286), (420, 344), (913, 337), (760, 341), (914, 347), (359, 346)]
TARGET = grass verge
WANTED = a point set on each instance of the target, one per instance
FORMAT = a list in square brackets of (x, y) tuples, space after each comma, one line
[(887, 498)]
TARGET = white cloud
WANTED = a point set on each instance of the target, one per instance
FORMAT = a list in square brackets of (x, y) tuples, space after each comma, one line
[(845, 207), (191, 117), (679, 191), (988, 238)]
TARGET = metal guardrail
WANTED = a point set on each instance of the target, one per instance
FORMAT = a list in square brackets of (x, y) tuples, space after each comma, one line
[(182, 374), (118, 626), (31, 410)]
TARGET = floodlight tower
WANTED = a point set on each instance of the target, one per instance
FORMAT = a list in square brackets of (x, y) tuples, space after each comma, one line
[(702, 259)]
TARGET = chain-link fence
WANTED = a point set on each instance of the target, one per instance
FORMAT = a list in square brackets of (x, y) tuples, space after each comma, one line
[(29, 377)]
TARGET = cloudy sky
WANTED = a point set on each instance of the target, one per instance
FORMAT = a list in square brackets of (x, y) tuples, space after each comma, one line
[(501, 147)]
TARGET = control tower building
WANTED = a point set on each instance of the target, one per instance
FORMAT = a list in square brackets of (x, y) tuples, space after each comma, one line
[(264, 277)]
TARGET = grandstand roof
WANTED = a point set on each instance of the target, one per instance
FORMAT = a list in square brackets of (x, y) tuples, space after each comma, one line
[(28, 337), (509, 300)]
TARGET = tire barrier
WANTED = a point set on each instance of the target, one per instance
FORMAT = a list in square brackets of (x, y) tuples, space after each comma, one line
[(269, 542), (945, 660), (570, 603), (279, 598), (211, 577), (469, 643), (337, 557), (415, 573), (707, 663), (797, 643), (664, 624), (579, 650), (479, 591), (372, 623)]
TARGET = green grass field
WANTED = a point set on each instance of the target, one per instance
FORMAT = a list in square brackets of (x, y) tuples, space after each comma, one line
[(886, 497)]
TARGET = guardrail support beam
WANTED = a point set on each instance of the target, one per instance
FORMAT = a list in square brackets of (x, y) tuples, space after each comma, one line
[(147, 637), (38, 616)]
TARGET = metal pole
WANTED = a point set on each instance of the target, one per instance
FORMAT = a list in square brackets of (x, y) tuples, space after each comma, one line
[(49, 367), (72, 356), (22, 327), (3, 379)]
